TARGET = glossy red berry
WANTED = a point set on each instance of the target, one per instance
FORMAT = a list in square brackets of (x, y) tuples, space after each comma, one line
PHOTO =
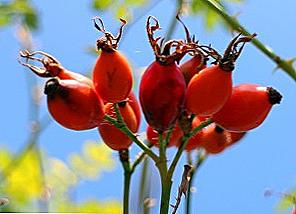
[(192, 66), (162, 93), (162, 87), (247, 107), (112, 74), (74, 105), (112, 136), (214, 139), (208, 91)]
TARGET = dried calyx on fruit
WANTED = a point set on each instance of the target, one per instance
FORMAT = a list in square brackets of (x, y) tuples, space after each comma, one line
[(162, 87), (112, 74), (71, 98), (209, 90), (198, 60), (51, 67)]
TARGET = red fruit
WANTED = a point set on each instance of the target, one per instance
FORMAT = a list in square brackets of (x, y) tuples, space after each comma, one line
[(208, 91), (293, 211), (112, 74), (132, 100), (162, 87), (75, 105), (51, 67), (192, 66), (112, 136), (247, 108), (235, 137), (162, 93), (214, 139), (152, 136)]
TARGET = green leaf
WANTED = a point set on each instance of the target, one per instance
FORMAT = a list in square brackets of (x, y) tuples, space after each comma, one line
[(211, 19), (4, 20), (102, 4), (123, 12), (31, 20), (135, 2)]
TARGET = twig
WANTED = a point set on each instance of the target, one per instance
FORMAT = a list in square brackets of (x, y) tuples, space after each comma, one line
[(234, 24)]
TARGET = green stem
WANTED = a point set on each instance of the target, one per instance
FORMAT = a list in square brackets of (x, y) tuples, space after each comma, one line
[(234, 24), (185, 141), (166, 186), (122, 127), (200, 161), (124, 158)]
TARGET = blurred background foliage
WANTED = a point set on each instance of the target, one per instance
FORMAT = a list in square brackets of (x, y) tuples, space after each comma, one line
[(36, 182)]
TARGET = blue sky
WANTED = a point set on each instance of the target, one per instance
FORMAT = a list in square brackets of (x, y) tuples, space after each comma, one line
[(232, 182)]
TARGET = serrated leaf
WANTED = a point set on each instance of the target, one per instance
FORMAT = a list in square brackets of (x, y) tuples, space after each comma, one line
[(102, 4)]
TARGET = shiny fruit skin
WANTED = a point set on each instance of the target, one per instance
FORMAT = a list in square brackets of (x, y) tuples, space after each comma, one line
[(214, 139), (112, 136), (162, 93), (208, 91), (191, 67), (133, 102), (152, 136), (74, 105), (112, 76), (246, 109)]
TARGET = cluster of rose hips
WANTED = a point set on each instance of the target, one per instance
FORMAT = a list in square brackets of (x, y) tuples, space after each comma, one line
[(173, 98)]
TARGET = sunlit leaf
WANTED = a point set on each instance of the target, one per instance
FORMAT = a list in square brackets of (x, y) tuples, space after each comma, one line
[(24, 182), (92, 206), (101, 4), (59, 177), (4, 20), (211, 18), (135, 2), (95, 159), (123, 12), (287, 201)]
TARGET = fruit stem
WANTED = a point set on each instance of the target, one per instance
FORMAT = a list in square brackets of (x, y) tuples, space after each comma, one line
[(122, 127), (235, 25), (124, 159), (200, 160), (185, 141)]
